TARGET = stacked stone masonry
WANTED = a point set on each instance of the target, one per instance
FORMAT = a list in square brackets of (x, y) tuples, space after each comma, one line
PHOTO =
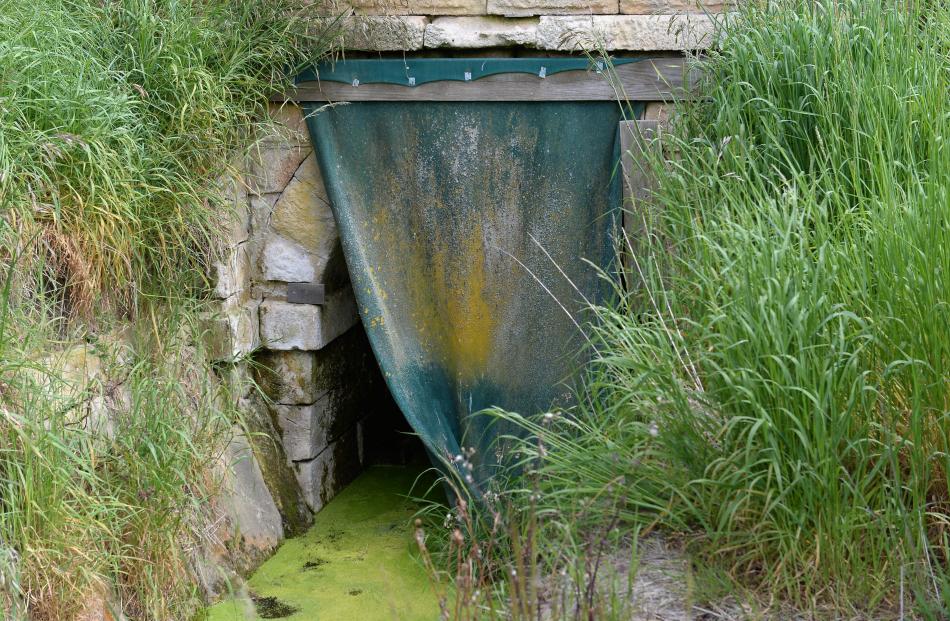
[(573, 31), (312, 363)]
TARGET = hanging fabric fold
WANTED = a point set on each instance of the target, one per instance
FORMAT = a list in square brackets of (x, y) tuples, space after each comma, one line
[(471, 231)]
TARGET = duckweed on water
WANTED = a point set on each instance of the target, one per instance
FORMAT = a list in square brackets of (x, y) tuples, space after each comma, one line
[(355, 563)]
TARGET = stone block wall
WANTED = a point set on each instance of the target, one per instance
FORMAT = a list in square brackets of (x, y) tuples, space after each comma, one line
[(323, 401), (320, 383), (322, 390)]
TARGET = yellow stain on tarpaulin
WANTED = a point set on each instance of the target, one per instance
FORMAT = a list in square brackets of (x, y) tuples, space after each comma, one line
[(443, 282), (469, 313), (444, 289)]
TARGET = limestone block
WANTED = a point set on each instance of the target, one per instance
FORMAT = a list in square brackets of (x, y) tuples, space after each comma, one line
[(289, 123), (234, 332), (237, 222), (302, 213), (233, 272), (261, 207), (235, 217), (273, 165), (657, 111), (97, 604), (345, 371), (307, 327), (243, 320), (239, 379), (88, 381), (255, 521), (289, 377), (322, 477), (384, 33), (302, 235), (305, 429), (281, 479), (100, 398), (656, 7), (626, 32), (516, 8), (308, 429), (477, 32), (284, 260), (416, 7)]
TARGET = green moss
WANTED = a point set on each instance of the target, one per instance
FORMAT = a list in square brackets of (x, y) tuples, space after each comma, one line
[(355, 563)]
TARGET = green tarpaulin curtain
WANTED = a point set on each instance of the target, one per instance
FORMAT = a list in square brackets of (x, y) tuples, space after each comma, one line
[(466, 228)]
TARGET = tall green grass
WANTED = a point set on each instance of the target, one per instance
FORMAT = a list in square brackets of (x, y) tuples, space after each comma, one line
[(117, 120), (778, 389), (107, 455)]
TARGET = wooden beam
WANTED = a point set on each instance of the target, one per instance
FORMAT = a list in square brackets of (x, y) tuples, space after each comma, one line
[(647, 80)]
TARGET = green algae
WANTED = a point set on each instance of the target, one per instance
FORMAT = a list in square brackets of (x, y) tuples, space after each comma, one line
[(356, 562)]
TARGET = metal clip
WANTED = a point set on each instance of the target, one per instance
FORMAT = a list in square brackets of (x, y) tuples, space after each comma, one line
[(468, 76), (356, 81), (412, 81), (543, 73)]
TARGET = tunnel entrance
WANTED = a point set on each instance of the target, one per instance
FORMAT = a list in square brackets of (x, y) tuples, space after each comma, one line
[(438, 224), (335, 415), (478, 202)]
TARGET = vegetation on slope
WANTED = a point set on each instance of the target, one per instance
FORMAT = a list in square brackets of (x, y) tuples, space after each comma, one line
[(777, 390), (116, 121)]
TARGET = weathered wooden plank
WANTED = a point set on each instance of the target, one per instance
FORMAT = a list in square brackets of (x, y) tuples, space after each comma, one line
[(635, 138), (648, 80)]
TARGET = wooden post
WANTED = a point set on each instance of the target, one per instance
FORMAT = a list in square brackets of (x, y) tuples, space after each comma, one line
[(636, 137)]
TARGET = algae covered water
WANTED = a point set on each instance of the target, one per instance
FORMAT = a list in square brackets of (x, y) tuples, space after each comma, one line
[(356, 562)]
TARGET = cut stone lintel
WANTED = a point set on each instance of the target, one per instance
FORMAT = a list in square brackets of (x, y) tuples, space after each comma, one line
[(305, 327), (332, 469), (626, 32), (411, 7), (380, 33), (656, 7), (479, 32), (556, 32), (520, 8)]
